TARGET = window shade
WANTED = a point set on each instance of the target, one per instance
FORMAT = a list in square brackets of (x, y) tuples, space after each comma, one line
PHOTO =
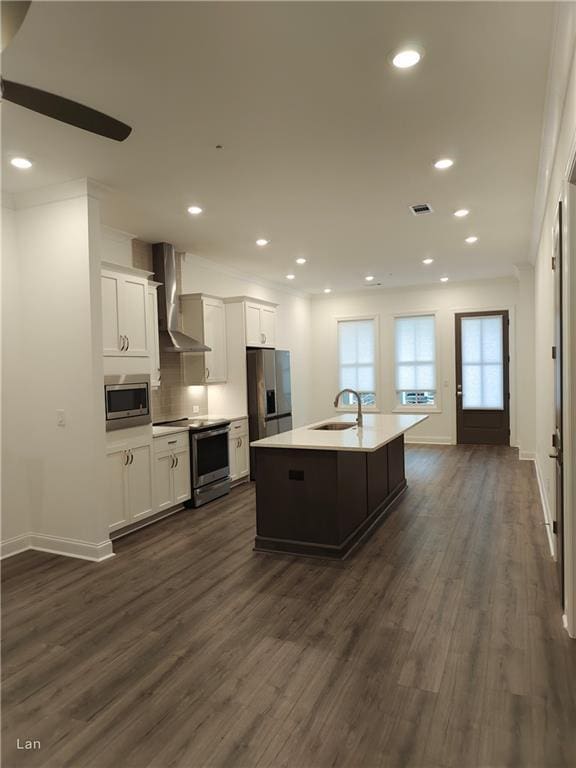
[(357, 354), (415, 353), (482, 365)]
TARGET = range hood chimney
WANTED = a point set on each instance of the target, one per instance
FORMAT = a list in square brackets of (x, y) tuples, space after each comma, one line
[(171, 337)]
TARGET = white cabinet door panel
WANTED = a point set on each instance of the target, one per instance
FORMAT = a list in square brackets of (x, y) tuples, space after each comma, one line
[(253, 334), (140, 471), (181, 477), (116, 500), (133, 316), (163, 492), (110, 315), (242, 456), (268, 326)]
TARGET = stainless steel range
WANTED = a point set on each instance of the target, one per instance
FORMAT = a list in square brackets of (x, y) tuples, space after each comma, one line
[(209, 464)]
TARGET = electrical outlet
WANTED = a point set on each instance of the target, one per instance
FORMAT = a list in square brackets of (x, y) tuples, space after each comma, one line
[(60, 418), (195, 409)]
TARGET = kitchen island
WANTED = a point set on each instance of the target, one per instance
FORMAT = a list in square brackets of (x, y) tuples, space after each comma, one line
[(322, 489)]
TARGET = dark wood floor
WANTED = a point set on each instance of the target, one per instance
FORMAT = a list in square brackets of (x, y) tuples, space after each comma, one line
[(438, 644)]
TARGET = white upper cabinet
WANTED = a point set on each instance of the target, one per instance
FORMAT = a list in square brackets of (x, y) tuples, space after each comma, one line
[(125, 307), (204, 319), (260, 322)]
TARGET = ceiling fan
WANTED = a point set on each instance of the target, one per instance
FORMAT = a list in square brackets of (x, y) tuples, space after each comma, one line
[(49, 104)]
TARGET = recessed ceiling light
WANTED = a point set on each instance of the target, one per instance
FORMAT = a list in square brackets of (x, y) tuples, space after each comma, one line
[(427, 261), (21, 162), (369, 278), (327, 290), (472, 239), (290, 277), (443, 163), (443, 279), (406, 59), (300, 261), (194, 210), (262, 242), (461, 212)]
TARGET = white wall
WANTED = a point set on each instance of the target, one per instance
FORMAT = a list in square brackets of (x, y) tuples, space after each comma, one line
[(561, 135), (293, 326), (56, 363), (15, 497), (444, 300)]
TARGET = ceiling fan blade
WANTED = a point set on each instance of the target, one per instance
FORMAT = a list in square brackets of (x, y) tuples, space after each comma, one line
[(65, 110), (13, 13)]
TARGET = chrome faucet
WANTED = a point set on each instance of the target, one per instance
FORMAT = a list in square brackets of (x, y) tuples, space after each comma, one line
[(357, 395)]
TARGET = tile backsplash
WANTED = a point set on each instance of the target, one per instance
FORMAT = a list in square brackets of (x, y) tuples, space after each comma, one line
[(173, 399)]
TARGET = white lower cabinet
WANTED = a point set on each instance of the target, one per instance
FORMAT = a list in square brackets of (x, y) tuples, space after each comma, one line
[(239, 450), (171, 471), (129, 469)]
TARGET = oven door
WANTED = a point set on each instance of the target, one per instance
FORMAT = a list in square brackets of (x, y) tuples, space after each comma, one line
[(209, 456)]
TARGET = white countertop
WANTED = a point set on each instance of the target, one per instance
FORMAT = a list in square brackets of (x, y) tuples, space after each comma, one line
[(377, 430), (161, 431)]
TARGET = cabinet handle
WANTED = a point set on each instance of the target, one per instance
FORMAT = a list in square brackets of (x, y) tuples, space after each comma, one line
[(128, 343), (121, 343), (125, 459), (131, 458), (172, 461), (177, 461), (207, 373), (172, 442), (264, 337)]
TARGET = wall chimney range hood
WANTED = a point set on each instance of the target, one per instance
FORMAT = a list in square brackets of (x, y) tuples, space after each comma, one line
[(171, 337)]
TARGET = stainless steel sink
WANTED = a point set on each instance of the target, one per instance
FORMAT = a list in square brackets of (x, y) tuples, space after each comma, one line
[(335, 425)]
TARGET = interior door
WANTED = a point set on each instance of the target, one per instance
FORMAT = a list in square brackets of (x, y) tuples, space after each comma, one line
[(482, 378), (557, 442)]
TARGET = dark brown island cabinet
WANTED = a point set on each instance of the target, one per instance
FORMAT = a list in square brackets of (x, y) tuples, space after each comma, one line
[(320, 494)]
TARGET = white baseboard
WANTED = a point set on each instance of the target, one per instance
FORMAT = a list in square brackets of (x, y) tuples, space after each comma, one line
[(545, 509), (416, 440), (527, 456), (56, 545), (15, 545)]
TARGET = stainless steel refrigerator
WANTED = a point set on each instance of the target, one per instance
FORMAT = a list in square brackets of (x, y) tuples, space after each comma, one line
[(269, 395)]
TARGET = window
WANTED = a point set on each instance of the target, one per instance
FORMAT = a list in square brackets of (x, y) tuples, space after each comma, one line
[(482, 364), (415, 360), (357, 360)]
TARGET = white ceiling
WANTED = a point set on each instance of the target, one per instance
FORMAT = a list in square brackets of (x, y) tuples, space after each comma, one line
[(325, 143)]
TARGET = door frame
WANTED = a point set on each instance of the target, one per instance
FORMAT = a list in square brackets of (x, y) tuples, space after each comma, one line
[(568, 198), (511, 309), (506, 362)]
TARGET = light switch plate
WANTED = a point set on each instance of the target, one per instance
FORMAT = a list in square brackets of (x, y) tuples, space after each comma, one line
[(195, 409), (60, 418)]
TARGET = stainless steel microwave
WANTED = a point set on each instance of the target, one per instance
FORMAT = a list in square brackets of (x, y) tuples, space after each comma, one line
[(127, 400)]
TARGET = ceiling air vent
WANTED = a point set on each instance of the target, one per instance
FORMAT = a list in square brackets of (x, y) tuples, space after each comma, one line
[(421, 209)]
